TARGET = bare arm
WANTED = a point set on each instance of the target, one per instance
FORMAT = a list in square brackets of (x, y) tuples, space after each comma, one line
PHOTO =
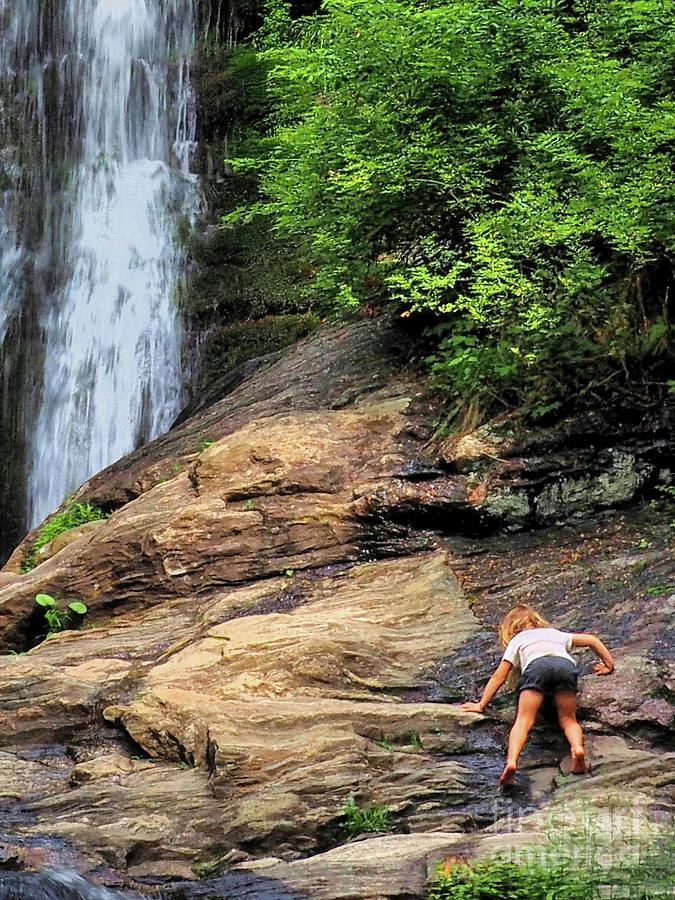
[(606, 667), (496, 681)]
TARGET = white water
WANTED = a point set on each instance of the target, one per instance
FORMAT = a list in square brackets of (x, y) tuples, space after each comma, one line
[(111, 181), (55, 884)]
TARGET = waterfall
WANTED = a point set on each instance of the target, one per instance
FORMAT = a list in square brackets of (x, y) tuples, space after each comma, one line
[(97, 128), (55, 884)]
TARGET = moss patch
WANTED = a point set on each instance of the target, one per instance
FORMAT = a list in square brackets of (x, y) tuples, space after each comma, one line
[(231, 345), (72, 516)]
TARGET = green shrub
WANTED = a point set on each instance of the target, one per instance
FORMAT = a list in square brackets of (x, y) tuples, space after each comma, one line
[(501, 879), (589, 864), (243, 270), (73, 516), (368, 818), (503, 167)]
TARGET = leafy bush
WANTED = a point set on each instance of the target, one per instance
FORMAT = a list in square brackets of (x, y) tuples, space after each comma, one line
[(58, 619), (502, 879), (504, 166), (73, 516), (589, 863), (368, 818)]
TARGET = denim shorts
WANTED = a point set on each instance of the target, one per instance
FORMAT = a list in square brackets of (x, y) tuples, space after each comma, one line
[(549, 674)]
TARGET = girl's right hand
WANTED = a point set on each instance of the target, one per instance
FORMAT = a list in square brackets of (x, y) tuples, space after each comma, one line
[(602, 669), (472, 706)]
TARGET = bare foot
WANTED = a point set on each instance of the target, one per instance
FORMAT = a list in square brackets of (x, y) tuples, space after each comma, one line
[(508, 776), (578, 761)]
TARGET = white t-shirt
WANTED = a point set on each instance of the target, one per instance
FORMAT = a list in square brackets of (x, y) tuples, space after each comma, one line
[(532, 643)]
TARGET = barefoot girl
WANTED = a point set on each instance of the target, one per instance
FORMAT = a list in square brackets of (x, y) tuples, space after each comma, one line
[(541, 653)]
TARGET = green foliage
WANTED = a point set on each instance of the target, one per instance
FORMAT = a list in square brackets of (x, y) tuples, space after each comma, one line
[(655, 589), (502, 166), (72, 516), (412, 739), (368, 818), (58, 619), (668, 490), (242, 271), (585, 864), (211, 868), (409, 739), (502, 879)]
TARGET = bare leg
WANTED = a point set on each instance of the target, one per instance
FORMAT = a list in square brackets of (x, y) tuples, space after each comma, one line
[(566, 704), (528, 705)]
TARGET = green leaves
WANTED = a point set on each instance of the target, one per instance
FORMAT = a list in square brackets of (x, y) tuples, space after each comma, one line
[(368, 818), (58, 619), (78, 607), (505, 166)]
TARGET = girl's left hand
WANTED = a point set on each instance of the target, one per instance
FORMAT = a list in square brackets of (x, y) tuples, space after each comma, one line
[(472, 706)]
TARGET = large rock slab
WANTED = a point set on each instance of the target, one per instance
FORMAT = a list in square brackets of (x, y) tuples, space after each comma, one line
[(285, 605), (281, 494), (270, 719)]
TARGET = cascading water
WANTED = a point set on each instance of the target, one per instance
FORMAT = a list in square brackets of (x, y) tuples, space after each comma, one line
[(98, 127), (54, 884)]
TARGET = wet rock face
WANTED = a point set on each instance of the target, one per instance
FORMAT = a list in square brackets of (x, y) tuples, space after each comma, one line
[(284, 610), (505, 477)]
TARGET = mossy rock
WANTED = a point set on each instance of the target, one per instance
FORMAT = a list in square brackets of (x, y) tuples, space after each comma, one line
[(242, 271), (231, 345)]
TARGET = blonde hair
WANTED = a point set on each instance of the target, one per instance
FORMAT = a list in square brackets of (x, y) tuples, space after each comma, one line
[(518, 619)]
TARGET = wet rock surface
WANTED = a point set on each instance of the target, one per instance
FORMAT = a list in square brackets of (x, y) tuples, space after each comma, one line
[(296, 588)]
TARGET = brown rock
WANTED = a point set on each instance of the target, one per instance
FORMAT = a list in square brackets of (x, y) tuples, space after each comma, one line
[(269, 630), (68, 537), (9, 578)]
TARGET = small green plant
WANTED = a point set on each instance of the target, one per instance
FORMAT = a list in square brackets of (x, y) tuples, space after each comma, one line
[(211, 868), (249, 505), (605, 852), (656, 589), (176, 468), (409, 739), (289, 573), (58, 619), (412, 739), (75, 515), (368, 818), (204, 445)]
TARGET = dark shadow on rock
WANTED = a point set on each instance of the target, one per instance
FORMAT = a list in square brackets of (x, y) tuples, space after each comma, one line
[(235, 886)]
